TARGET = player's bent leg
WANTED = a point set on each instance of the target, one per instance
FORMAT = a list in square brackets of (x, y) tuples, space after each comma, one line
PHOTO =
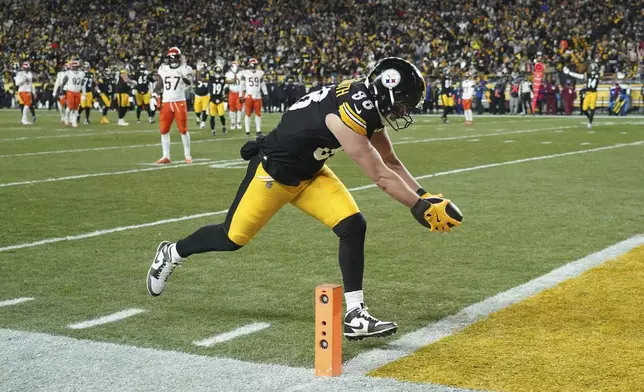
[(253, 206), (328, 200)]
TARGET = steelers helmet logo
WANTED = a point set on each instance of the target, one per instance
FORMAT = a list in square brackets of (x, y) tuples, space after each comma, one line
[(390, 78)]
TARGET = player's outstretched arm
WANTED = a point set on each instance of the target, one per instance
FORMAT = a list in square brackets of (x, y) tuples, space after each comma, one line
[(435, 214), (382, 144), (573, 74), (366, 156)]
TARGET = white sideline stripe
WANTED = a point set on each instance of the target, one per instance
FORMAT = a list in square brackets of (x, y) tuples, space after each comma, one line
[(15, 301), (77, 135), (111, 318), (81, 176), (109, 231), (539, 158), (450, 325), (196, 216), (28, 154), (48, 363), (55, 179), (439, 139), (235, 333), (53, 152)]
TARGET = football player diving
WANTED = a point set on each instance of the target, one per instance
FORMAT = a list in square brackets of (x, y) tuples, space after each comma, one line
[(288, 166)]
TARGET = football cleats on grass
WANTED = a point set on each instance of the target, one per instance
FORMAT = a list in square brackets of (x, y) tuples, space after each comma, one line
[(359, 324), (437, 213)]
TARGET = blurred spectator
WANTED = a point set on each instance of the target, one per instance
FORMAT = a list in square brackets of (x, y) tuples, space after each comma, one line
[(568, 95)]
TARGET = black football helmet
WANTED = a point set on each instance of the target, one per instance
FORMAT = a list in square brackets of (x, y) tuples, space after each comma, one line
[(396, 87)]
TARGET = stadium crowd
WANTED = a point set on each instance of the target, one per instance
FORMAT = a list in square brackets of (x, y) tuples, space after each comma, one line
[(319, 38)]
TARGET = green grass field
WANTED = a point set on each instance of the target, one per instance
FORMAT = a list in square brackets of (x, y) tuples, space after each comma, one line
[(522, 219)]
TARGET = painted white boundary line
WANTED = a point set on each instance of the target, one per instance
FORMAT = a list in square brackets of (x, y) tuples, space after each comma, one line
[(235, 333), (46, 363), (22, 138), (412, 341), (116, 173), (15, 301), (189, 217), (27, 154), (109, 231), (99, 366), (226, 162), (110, 318)]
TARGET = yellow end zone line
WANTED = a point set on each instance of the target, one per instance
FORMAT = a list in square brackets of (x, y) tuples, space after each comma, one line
[(356, 189), (450, 325)]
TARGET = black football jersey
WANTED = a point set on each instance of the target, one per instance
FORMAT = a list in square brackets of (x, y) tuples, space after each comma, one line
[(201, 87), (446, 86), (216, 86), (301, 143), (143, 80), (104, 86), (88, 81), (592, 80)]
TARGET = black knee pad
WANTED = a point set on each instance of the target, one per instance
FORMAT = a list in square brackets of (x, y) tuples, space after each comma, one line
[(353, 226)]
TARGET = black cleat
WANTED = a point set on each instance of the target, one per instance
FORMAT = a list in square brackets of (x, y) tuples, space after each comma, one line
[(359, 324)]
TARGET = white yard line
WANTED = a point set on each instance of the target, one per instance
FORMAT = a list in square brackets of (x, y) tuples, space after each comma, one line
[(539, 158), (98, 233), (77, 135), (189, 217), (412, 341), (15, 301), (73, 364), (80, 176), (27, 154), (110, 318), (235, 333), (226, 163), (439, 139)]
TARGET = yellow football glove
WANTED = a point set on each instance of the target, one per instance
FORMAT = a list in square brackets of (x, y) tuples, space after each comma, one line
[(434, 216)]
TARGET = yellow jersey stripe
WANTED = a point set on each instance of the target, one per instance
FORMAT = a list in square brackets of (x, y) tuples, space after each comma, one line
[(355, 115), (349, 121)]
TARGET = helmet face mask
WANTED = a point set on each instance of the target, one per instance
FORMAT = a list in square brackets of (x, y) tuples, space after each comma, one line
[(396, 86), (174, 57)]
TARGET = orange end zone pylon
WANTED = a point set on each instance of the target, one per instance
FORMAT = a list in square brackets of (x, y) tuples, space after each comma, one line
[(328, 330)]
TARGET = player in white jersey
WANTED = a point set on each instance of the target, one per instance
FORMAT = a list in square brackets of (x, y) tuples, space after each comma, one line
[(172, 79), (252, 86), (59, 92), (467, 92), (24, 80), (73, 83), (234, 99)]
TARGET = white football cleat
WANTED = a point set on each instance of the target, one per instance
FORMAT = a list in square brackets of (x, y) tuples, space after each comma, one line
[(162, 267), (359, 324), (122, 123), (202, 125), (589, 126)]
